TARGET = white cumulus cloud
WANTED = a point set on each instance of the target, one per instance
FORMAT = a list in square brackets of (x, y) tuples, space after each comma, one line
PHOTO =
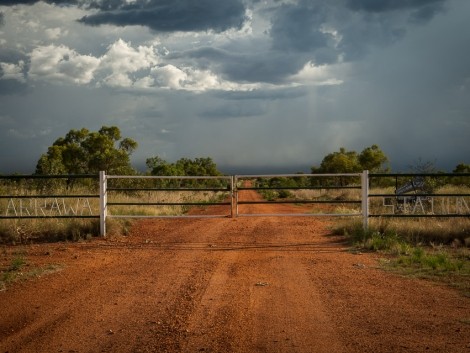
[(169, 76), (122, 59), (61, 64)]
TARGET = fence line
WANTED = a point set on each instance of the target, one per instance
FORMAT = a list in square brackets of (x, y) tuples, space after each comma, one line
[(415, 201)]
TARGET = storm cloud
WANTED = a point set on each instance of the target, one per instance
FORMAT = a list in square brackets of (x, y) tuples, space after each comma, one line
[(393, 5), (170, 15), (330, 32), (272, 84)]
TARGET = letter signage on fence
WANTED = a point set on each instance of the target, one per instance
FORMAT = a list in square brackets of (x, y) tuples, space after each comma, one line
[(48, 207), (433, 205)]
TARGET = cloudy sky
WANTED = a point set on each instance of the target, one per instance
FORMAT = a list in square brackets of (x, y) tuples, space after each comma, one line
[(254, 84)]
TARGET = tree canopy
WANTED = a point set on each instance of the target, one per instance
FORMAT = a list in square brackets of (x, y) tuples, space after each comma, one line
[(462, 168), (183, 167), (83, 151), (371, 158)]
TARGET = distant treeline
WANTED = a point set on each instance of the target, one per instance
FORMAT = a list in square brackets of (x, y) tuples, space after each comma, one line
[(88, 152)]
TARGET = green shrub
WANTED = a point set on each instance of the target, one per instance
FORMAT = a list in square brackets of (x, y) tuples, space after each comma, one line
[(284, 194), (17, 263), (439, 261)]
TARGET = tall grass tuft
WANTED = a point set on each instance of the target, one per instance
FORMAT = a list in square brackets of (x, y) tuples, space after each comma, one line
[(47, 230), (427, 230)]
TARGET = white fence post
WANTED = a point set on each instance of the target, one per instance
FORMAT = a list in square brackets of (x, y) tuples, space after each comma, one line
[(236, 196), (103, 203), (231, 197), (365, 198)]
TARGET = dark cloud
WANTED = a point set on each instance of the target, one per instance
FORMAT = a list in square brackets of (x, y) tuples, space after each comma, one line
[(31, 2), (2, 19), (170, 15), (391, 5), (270, 67), (425, 13), (307, 28), (357, 39), (204, 55), (418, 11), (19, 2), (329, 31), (298, 27)]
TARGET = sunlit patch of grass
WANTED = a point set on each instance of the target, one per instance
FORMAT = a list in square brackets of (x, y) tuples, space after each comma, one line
[(454, 231), (450, 266), (439, 261), (412, 257)]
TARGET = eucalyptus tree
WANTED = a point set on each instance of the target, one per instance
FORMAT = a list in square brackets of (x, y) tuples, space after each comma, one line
[(88, 152)]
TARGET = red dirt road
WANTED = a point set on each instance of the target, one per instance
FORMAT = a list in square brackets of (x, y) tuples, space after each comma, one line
[(226, 285)]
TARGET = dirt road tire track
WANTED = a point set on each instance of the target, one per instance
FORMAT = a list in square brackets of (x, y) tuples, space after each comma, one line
[(226, 285)]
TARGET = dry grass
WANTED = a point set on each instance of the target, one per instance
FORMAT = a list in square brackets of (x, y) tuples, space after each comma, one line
[(327, 194), (22, 231), (160, 197), (455, 231), (334, 195)]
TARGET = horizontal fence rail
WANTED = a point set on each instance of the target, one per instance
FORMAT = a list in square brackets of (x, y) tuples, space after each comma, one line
[(369, 195)]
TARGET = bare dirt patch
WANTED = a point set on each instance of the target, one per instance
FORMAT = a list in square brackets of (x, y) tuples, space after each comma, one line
[(269, 284)]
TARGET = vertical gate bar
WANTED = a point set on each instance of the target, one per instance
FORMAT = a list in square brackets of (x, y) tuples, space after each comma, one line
[(365, 199), (103, 203), (231, 195), (236, 196)]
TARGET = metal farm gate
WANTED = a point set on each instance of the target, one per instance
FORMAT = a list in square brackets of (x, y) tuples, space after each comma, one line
[(145, 192), (286, 187)]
